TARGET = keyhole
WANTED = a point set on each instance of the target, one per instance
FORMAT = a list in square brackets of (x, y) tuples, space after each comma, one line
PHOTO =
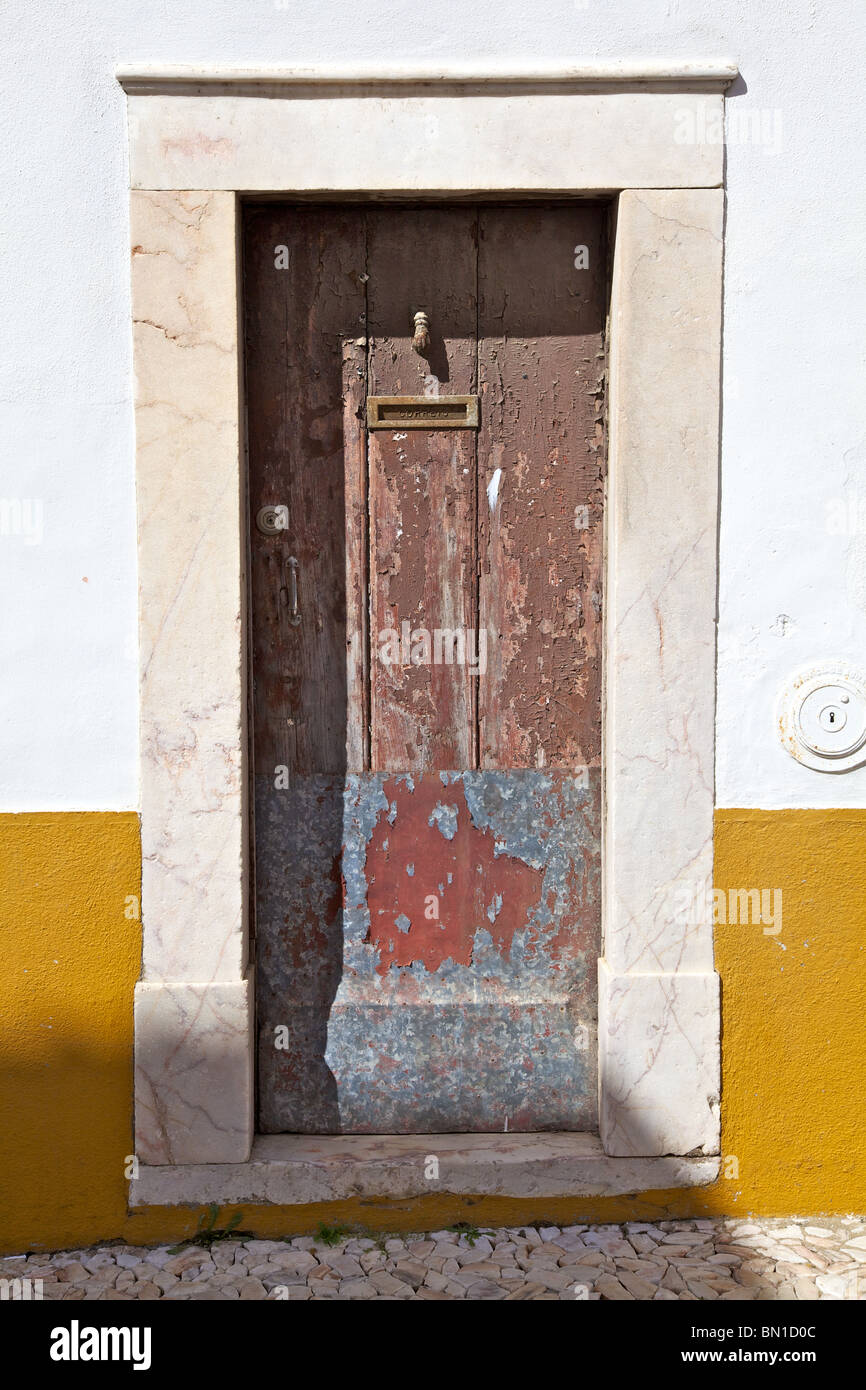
[(833, 718)]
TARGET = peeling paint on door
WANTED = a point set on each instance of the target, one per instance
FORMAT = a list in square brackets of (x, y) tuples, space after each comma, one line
[(427, 823), (448, 997)]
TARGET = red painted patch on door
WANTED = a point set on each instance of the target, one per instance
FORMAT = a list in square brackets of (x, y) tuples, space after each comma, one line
[(434, 879)]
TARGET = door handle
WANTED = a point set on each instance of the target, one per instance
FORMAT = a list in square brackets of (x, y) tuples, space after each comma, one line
[(294, 610)]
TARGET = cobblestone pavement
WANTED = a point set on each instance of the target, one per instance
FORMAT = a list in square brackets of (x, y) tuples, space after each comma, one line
[(734, 1259)]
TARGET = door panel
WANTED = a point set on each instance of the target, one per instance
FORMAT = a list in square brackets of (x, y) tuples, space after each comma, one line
[(422, 485), (427, 826), (540, 444), (306, 388)]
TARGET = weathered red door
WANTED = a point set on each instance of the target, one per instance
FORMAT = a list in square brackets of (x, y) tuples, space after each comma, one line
[(426, 618)]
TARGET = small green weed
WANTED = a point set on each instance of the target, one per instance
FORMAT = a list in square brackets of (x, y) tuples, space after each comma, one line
[(208, 1233), (331, 1235), (469, 1232)]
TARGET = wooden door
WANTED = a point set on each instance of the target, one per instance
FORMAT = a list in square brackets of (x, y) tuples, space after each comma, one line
[(426, 619)]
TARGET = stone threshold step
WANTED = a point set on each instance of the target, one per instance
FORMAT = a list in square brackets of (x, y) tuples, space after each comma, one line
[(294, 1169)]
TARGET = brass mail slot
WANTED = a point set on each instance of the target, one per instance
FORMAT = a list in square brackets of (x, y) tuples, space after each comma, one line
[(422, 412)]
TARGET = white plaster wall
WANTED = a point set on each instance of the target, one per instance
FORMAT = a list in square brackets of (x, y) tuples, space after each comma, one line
[(794, 432)]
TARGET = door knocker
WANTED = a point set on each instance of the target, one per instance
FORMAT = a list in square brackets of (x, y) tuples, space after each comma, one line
[(421, 340)]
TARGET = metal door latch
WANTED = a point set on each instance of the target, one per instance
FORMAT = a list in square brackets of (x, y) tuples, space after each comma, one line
[(294, 610)]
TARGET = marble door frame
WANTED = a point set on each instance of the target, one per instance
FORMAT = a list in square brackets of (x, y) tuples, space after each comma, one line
[(199, 140)]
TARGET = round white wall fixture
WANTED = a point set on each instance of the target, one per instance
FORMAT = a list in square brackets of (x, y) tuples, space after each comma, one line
[(821, 717)]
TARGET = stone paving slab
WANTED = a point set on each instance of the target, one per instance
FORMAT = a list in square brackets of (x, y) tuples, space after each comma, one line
[(744, 1260)]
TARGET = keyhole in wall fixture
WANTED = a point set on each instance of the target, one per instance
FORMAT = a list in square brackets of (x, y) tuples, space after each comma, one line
[(828, 720), (833, 718)]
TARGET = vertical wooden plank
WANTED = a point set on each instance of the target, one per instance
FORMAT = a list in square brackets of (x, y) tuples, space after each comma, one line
[(306, 385), (541, 484), (422, 491)]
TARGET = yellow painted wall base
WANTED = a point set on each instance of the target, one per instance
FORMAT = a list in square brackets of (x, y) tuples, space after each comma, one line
[(793, 1044)]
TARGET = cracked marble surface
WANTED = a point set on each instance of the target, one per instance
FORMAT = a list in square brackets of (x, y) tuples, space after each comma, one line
[(190, 568), (658, 993), (192, 1014)]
